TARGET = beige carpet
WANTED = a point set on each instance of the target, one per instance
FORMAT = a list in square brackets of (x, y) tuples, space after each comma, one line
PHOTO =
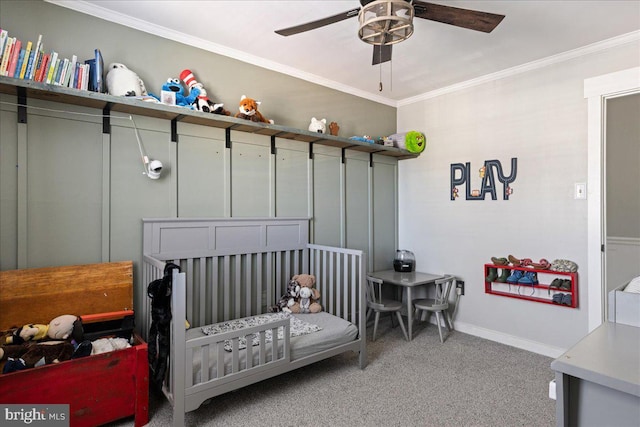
[(467, 381)]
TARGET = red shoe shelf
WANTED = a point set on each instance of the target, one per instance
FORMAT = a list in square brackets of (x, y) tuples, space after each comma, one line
[(537, 293)]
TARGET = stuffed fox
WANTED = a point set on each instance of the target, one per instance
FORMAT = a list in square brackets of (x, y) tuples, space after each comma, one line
[(249, 110)]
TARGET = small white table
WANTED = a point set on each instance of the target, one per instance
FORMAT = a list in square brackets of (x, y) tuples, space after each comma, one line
[(408, 281)]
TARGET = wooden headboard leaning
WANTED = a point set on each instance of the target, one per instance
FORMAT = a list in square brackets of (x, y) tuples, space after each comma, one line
[(37, 295)]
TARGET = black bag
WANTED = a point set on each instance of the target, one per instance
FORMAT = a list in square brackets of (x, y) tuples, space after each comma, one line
[(158, 347)]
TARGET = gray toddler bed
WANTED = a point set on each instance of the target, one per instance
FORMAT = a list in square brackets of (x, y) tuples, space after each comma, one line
[(232, 270)]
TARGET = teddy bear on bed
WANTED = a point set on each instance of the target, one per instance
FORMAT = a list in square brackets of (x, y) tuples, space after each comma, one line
[(288, 299), (308, 296)]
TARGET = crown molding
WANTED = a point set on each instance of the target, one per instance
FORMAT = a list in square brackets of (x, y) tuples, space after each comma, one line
[(530, 66), (138, 24), (147, 27)]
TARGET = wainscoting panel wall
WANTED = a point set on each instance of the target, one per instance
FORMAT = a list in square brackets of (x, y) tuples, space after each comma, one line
[(78, 194)]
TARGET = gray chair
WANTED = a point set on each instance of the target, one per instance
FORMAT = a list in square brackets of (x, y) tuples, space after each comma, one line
[(438, 305), (377, 304)]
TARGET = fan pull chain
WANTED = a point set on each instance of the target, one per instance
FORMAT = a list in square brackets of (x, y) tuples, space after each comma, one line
[(380, 70), (391, 75)]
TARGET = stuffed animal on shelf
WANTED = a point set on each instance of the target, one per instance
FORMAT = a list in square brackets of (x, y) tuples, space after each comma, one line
[(412, 141), (248, 110), (202, 102), (173, 86), (121, 81), (334, 128), (319, 126), (61, 327), (308, 296), (288, 299)]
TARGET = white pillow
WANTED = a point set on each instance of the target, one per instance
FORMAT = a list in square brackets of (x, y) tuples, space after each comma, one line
[(633, 286)]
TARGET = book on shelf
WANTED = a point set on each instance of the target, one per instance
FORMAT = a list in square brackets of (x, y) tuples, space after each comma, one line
[(27, 53), (96, 67), (38, 50), (4, 34), (72, 71), (8, 49), (63, 71), (16, 75), (52, 66), (37, 64), (13, 60), (29, 72)]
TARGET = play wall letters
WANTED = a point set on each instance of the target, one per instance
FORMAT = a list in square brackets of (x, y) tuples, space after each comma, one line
[(492, 169)]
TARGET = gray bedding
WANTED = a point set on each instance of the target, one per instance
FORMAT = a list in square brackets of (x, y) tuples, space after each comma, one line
[(335, 331)]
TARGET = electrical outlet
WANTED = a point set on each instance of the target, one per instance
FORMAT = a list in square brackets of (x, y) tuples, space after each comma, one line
[(460, 287)]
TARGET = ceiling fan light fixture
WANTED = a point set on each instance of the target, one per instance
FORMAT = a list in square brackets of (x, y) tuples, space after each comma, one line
[(385, 22)]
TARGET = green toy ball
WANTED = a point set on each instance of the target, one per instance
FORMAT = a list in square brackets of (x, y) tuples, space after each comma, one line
[(415, 142)]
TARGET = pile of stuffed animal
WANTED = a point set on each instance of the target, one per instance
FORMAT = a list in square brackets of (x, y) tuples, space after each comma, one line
[(62, 339), (300, 296)]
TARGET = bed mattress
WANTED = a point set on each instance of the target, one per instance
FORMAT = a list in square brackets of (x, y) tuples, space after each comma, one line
[(335, 331)]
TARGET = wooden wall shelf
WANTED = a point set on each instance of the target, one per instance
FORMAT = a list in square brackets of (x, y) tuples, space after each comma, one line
[(26, 89)]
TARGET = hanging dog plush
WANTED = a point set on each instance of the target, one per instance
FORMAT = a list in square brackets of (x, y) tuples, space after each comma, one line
[(158, 347), (249, 110)]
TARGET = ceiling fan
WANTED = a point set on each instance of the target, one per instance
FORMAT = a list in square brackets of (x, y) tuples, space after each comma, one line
[(384, 23)]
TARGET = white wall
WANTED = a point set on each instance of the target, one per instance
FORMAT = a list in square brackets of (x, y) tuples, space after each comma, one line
[(539, 117)]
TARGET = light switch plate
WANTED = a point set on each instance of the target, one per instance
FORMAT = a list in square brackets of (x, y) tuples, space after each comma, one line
[(581, 190)]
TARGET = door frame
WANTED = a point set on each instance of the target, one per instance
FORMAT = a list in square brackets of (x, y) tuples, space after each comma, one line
[(598, 90)]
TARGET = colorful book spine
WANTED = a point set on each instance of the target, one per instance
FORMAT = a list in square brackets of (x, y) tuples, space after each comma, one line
[(27, 54), (38, 65), (29, 73), (44, 68), (13, 61), (58, 72), (52, 66), (38, 49), (3, 40), (68, 73), (19, 64), (8, 49), (63, 71), (72, 77)]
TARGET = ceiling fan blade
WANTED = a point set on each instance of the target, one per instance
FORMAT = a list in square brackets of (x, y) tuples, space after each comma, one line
[(381, 53), (465, 18), (319, 23)]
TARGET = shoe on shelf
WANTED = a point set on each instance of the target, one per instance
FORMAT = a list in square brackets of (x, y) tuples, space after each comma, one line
[(499, 261), (555, 284), (492, 275), (514, 261), (503, 277), (528, 278), (542, 265), (565, 285), (566, 299), (515, 276), (557, 298)]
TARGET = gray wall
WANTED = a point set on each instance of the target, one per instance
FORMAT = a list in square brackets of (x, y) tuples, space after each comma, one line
[(73, 195), (539, 117)]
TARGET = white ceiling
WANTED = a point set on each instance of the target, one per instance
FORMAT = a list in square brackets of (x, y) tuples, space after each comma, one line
[(437, 56)]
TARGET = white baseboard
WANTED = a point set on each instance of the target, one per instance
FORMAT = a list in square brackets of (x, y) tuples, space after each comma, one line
[(502, 338)]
